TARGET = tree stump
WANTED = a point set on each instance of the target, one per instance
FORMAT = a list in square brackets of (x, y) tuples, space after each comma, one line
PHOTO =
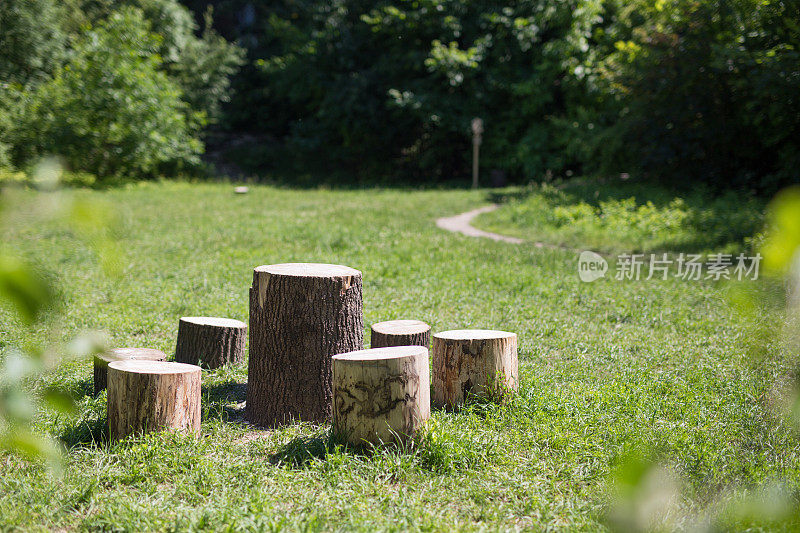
[(400, 333), (381, 394), (102, 360), (150, 396), (301, 314), (475, 362), (212, 342)]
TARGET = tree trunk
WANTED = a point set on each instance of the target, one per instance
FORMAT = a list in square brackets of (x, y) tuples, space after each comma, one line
[(212, 342), (400, 333), (473, 362), (102, 360), (150, 396), (301, 314), (381, 395)]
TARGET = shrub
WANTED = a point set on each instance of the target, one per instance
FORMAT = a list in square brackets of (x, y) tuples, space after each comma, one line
[(110, 110), (698, 92)]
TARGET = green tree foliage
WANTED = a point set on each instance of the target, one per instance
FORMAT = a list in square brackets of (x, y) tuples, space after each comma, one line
[(677, 91), (115, 88), (110, 110), (364, 84), (694, 91), (31, 40)]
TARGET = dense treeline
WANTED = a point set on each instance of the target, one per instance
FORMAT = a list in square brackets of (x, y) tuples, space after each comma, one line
[(680, 91), (116, 88)]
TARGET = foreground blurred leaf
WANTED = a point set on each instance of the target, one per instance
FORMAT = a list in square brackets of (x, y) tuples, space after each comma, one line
[(783, 238), (59, 401), (22, 287)]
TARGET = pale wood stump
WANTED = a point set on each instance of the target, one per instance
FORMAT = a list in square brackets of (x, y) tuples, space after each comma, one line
[(151, 396), (381, 394), (102, 360), (301, 314), (210, 341), (400, 333), (473, 362)]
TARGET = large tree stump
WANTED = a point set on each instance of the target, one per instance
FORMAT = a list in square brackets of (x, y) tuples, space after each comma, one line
[(477, 362), (301, 314), (102, 360), (381, 394), (212, 342), (400, 333), (150, 396)]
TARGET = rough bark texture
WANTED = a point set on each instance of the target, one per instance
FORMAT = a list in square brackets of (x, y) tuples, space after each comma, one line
[(467, 362), (400, 333), (102, 360), (212, 342), (381, 394), (150, 396), (301, 314)]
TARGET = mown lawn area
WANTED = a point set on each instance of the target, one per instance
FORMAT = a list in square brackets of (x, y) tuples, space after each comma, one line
[(615, 216), (605, 367)]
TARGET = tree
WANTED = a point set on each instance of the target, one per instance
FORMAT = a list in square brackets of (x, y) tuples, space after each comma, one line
[(110, 109)]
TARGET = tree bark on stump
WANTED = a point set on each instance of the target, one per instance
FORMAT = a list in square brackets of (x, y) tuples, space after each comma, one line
[(102, 360), (301, 314), (210, 341), (381, 394), (473, 362), (150, 396), (400, 333)]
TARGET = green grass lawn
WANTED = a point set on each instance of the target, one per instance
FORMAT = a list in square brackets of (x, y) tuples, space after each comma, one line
[(605, 366), (620, 216)]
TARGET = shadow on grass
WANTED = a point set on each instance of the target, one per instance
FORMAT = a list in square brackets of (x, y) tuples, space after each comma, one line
[(82, 388), (86, 434), (300, 451), (224, 401), (303, 450)]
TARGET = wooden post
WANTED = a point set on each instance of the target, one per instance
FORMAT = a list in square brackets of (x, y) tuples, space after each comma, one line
[(102, 360), (400, 333), (477, 138), (301, 314), (475, 362), (381, 395), (211, 341), (152, 395)]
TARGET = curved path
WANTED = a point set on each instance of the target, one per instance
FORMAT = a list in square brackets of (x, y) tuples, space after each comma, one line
[(462, 224)]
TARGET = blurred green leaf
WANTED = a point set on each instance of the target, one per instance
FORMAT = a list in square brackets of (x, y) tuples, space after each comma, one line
[(783, 237), (24, 442), (21, 286), (59, 401)]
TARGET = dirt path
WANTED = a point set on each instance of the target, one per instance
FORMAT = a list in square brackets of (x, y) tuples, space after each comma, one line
[(461, 224)]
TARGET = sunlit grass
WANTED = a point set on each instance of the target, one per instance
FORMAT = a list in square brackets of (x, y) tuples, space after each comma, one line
[(605, 366)]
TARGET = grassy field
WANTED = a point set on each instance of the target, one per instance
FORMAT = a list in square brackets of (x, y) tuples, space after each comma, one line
[(605, 367), (620, 216)]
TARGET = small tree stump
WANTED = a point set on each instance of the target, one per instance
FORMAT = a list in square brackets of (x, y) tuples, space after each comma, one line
[(301, 314), (400, 333), (102, 360), (381, 394), (476, 362), (150, 396), (212, 342)]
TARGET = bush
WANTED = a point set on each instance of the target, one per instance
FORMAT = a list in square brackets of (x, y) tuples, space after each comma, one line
[(110, 110), (695, 91)]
